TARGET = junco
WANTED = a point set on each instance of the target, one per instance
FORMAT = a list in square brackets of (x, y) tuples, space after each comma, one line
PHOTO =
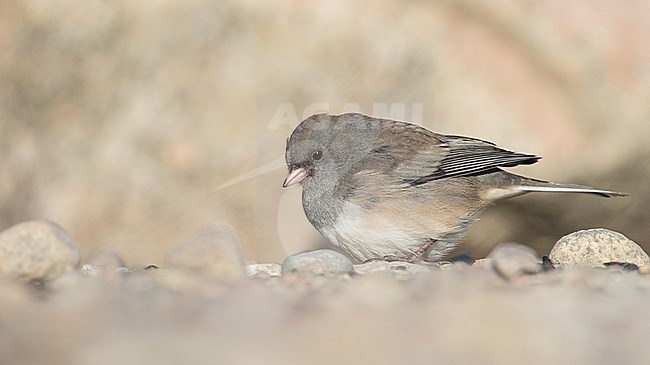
[(385, 189)]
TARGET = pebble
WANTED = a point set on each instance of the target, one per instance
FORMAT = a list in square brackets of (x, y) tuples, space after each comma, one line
[(92, 270), (512, 259), (175, 279), (595, 248), (37, 250), (319, 262), (264, 270), (486, 263), (397, 269), (213, 251), (107, 259), (106, 263)]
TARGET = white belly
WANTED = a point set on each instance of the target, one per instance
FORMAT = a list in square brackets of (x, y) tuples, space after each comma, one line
[(364, 235)]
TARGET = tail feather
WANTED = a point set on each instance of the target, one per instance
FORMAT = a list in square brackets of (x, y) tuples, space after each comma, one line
[(543, 186), (511, 185)]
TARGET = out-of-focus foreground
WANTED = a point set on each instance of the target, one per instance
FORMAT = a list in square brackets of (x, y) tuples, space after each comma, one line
[(121, 121)]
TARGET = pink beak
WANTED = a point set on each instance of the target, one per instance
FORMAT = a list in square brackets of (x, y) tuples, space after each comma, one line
[(296, 174)]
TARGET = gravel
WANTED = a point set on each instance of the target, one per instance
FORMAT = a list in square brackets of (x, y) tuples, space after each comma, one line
[(318, 308)]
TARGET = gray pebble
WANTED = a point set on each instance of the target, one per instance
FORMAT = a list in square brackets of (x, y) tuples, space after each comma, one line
[(37, 250), (594, 248), (213, 251), (397, 269), (264, 270), (512, 259), (318, 262)]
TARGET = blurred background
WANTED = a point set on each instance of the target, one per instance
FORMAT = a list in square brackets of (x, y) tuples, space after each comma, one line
[(134, 123)]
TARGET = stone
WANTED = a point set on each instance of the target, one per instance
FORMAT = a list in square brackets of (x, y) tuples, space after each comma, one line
[(320, 262), (92, 270), (125, 270), (512, 259), (595, 248), (37, 250), (396, 269), (107, 259), (455, 265), (106, 263), (178, 280), (486, 263), (264, 270), (110, 271), (213, 251)]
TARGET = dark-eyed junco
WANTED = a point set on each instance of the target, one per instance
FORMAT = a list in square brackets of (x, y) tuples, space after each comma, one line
[(385, 189)]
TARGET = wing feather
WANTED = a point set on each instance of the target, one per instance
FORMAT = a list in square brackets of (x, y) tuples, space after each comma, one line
[(414, 155)]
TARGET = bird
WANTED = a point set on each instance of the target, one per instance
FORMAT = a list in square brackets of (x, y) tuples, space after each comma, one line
[(382, 189)]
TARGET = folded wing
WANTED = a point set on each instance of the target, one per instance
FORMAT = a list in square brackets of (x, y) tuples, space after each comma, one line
[(416, 155)]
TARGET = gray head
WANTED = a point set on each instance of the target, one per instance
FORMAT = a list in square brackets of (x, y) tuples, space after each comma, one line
[(324, 146)]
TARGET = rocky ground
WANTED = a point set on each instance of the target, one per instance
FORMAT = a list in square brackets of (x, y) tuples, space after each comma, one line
[(586, 303)]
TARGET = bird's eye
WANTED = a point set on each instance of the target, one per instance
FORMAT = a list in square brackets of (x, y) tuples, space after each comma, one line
[(317, 155)]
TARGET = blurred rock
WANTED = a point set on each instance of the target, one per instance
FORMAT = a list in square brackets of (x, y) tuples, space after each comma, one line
[(264, 269), (92, 270), (125, 270), (486, 263), (73, 281), (106, 263), (213, 250), (106, 259), (80, 320), (456, 265), (644, 269), (513, 259), (176, 279), (398, 269), (13, 294), (37, 250), (595, 248), (320, 262)]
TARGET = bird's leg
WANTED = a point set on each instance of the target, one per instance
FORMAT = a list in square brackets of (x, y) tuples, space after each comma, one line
[(418, 255)]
